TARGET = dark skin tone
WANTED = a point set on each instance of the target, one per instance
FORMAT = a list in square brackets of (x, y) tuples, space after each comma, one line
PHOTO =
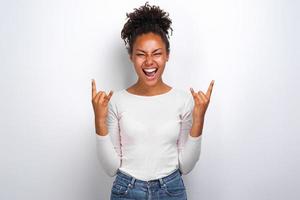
[(149, 51)]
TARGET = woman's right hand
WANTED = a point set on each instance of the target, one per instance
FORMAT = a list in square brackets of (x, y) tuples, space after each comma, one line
[(100, 104)]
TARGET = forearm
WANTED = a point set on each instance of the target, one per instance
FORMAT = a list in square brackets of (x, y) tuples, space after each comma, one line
[(197, 127), (101, 127), (107, 155), (189, 155)]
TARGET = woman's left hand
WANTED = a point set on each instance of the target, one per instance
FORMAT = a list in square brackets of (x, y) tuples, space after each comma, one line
[(201, 102)]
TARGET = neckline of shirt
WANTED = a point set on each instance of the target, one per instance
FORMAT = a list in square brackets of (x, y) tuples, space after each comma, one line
[(148, 97)]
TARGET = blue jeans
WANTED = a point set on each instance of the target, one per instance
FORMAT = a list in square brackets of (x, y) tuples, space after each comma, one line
[(126, 187)]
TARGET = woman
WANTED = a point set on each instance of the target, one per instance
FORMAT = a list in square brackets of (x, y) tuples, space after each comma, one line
[(150, 133)]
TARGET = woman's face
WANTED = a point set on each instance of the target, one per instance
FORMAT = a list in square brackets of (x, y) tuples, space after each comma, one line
[(149, 56)]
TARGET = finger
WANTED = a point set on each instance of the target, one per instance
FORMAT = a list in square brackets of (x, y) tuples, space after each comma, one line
[(192, 91), (202, 96), (98, 96), (209, 90), (94, 91), (101, 98), (194, 94), (198, 99), (109, 95)]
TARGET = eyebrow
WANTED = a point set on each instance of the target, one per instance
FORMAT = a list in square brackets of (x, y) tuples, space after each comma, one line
[(146, 52)]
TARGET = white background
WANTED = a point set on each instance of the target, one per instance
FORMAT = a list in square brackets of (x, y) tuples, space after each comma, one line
[(50, 51)]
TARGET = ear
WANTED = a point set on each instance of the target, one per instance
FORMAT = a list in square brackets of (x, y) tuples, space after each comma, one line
[(167, 57), (130, 57)]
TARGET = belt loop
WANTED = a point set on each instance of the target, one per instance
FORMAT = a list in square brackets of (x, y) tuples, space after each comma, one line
[(162, 184), (132, 182)]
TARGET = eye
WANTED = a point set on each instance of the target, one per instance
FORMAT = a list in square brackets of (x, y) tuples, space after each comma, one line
[(140, 54), (157, 54)]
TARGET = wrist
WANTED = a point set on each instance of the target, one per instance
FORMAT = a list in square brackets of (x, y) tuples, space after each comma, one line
[(101, 134), (197, 126), (102, 131), (100, 126), (101, 121), (198, 120)]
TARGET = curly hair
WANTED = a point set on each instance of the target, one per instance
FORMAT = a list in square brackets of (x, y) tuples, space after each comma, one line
[(144, 20)]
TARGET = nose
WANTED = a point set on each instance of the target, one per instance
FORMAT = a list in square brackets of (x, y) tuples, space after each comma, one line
[(149, 60)]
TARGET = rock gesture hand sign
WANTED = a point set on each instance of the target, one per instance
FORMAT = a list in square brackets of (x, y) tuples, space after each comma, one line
[(201, 102), (100, 105)]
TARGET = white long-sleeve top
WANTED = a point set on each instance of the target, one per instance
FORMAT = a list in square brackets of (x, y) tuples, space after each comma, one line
[(149, 136)]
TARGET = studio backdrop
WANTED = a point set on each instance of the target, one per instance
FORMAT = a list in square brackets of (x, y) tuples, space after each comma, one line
[(50, 51)]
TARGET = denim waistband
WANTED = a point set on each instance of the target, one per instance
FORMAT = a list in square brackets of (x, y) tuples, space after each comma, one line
[(132, 180)]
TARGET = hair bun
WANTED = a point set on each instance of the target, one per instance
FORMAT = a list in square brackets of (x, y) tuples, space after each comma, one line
[(146, 19), (150, 15)]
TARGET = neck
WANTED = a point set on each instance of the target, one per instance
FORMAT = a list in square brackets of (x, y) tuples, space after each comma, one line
[(144, 89)]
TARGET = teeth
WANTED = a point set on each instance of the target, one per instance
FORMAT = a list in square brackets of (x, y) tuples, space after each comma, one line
[(150, 70)]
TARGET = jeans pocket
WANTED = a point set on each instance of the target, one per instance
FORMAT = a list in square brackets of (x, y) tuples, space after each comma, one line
[(175, 187), (120, 188)]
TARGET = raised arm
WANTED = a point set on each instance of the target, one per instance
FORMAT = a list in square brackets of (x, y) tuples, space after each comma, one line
[(189, 143), (189, 147), (107, 131)]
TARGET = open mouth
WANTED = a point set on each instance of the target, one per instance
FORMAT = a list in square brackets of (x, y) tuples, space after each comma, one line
[(150, 72)]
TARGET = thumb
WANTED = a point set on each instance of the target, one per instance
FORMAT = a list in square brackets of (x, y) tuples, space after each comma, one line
[(109, 95)]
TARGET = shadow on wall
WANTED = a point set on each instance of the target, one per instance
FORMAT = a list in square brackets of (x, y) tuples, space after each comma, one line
[(121, 72)]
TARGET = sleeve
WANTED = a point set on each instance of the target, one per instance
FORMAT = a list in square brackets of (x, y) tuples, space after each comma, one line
[(189, 147), (108, 146)]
